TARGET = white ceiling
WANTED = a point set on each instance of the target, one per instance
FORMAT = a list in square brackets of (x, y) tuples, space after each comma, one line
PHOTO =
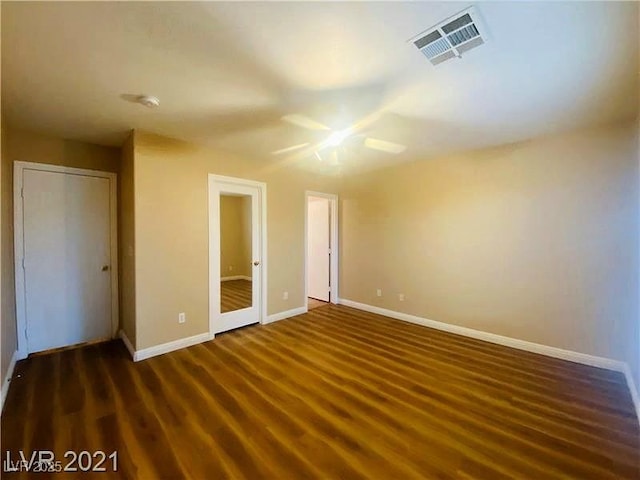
[(227, 72)]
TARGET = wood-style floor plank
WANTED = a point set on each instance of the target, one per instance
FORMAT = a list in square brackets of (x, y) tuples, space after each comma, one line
[(335, 393)]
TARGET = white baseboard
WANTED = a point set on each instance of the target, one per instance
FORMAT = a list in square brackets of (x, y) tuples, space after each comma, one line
[(156, 350), (555, 352), (145, 353), (286, 314), (6, 381), (127, 343), (633, 389), (235, 277)]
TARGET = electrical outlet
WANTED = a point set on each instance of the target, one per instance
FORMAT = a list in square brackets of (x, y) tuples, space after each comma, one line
[(285, 295), (379, 292), (182, 317), (401, 297), (230, 268)]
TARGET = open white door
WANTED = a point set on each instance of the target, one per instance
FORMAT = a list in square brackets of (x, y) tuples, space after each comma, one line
[(236, 253), (64, 257), (321, 249), (318, 248)]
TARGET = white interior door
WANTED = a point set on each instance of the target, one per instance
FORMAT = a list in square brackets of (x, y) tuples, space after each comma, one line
[(67, 259), (236, 299), (318, 248)]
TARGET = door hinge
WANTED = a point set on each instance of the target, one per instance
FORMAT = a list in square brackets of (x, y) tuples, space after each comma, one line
[(329, 251), (23, 263), (22, 192), (329, 289)]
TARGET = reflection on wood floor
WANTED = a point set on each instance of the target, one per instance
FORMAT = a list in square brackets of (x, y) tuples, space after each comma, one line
[(334, 394), (314, 303), (235, 295)]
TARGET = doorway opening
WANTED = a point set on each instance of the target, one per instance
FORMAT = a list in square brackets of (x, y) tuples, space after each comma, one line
[(321, 255)]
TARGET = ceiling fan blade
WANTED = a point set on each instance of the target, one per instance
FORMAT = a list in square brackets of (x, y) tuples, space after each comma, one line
[(334, 160), (304, 122), (289, 149), (384, 146)]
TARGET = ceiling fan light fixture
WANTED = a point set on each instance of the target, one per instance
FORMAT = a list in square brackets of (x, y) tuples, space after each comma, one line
[(337, 137)]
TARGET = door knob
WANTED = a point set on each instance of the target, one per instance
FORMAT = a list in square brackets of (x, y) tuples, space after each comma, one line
[(256, 263), (105, 268)]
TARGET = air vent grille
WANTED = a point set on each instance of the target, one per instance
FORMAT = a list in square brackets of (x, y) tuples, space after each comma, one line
[(451, 38), (463, 35), (436, 48)]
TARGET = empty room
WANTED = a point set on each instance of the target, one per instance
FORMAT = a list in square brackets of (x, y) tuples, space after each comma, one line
[(332, 240)]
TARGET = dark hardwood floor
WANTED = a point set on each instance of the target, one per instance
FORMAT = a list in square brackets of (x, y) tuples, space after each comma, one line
[(235, 295), (335, 393)]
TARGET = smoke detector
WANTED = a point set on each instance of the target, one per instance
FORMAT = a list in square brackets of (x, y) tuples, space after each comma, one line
[(149, 101), (452, 37)]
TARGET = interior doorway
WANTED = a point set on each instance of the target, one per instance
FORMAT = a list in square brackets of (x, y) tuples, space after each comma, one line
[(321, 255)]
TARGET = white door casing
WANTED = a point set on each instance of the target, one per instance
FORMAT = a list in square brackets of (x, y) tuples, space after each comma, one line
[(65, 256), (221, 322)]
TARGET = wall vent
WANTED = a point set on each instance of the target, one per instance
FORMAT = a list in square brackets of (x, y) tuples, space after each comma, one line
[(452, 37)]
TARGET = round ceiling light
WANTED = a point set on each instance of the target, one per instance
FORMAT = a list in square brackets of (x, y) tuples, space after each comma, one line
[(337, 137)]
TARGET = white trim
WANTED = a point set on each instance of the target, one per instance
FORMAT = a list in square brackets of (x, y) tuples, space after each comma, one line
[(635, 398), (237, 180), (18, 237), (171, 346), (214, 259), (163, 348), (127, 343), (6, 381), (333, 275), (235, 277), (286, 314)]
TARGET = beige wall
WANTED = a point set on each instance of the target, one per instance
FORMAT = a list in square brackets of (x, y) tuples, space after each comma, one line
[(171, 233), (127, 242), (32, 147), (536, 241), (8, 336), (235, 236), (6, 350), (637, 362)]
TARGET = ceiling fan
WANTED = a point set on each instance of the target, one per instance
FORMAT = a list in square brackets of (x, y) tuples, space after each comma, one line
[(335, 138)]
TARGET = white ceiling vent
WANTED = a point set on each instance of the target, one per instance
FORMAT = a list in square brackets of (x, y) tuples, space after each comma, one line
[(452, 37)]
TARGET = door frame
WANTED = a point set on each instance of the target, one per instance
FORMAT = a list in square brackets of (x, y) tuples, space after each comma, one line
[(214, 246), (18, 242), (334, 297)]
